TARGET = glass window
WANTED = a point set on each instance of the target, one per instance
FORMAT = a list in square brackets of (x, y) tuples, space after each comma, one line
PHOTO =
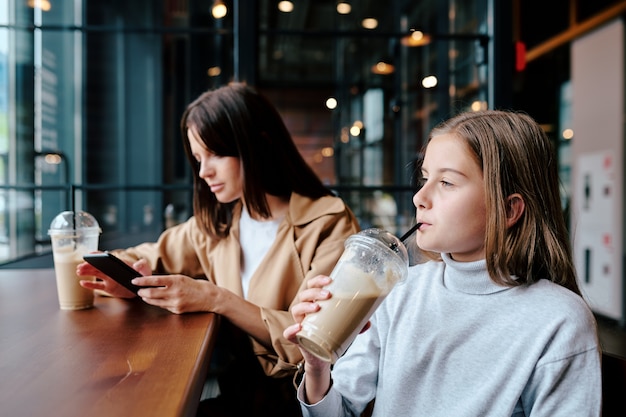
[(91, 94)]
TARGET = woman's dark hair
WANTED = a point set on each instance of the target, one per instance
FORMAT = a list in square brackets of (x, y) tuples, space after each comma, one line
[(235, 120)]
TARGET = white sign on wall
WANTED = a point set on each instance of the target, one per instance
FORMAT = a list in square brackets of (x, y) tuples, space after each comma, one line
[(595, 251)]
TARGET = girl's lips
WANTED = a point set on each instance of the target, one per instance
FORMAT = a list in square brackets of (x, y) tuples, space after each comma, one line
[(410, 232)]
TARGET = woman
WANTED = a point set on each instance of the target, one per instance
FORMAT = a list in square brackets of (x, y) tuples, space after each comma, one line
[(263, 224), (495, 324)]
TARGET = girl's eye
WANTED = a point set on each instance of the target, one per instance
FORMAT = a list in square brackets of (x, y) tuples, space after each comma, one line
[(446, 183)]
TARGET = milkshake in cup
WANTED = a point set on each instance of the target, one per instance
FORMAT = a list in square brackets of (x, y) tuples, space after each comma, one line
[(72, 235), (373, 261)]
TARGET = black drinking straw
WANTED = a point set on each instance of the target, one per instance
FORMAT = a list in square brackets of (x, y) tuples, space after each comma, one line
[(410, 232)]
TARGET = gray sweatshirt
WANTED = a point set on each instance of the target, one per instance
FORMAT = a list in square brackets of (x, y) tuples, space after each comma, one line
[(449, 342)]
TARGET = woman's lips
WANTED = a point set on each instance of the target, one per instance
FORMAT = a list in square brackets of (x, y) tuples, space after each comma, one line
[(216, 187)]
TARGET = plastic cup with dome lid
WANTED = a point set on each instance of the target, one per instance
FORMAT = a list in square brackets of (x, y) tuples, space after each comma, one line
[(73, 234), (372, 263)]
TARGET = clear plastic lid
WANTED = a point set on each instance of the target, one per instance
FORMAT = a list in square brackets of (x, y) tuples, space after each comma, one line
[(388, 240), (69, 221)]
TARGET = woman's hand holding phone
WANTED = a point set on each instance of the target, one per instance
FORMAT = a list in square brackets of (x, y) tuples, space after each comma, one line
[(114, 274)]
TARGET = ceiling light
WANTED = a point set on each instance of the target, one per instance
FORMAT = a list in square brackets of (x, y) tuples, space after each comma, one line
[(345, 136), (285, 6), (370, 23), (416, 38), (478, 105), (44, 5), (219, 9), (214, 71), (328, 152), (53, 158), (429, 82), (567, 134), (383, 68), (343, 7)]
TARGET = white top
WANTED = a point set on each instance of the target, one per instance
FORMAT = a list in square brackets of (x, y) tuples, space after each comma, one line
[(255, 237)]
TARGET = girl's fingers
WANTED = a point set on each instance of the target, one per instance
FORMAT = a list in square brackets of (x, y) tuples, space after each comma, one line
[(319, 281), (313, 294), (290, 332), (298, 311)]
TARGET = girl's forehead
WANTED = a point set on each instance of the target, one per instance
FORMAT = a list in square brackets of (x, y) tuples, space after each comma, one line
[(447, 143), (449, 152)]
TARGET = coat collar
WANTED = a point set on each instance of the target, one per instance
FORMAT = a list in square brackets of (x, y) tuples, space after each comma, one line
[(303, 210)]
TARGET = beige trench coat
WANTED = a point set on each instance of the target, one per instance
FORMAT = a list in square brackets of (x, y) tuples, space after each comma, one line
[(309, 242)]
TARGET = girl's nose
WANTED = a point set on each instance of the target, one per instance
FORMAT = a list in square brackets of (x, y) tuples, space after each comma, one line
[(415, 200), (420, 198)]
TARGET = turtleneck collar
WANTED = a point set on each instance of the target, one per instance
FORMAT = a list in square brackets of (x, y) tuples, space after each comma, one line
[(468, 277)]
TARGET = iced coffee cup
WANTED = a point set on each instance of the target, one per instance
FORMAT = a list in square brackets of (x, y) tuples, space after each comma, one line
[(372, 263), (72, 235)]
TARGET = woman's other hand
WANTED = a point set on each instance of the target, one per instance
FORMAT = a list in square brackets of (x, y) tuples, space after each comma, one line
[(177, 293)]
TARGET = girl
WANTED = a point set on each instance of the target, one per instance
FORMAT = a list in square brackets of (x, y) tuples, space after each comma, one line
[(263, 223), (495, 325)]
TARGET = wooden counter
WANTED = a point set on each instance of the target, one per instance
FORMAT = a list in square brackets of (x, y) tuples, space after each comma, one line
[(120, 358)]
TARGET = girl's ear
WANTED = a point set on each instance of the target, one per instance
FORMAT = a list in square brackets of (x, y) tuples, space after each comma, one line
[(514, 208)]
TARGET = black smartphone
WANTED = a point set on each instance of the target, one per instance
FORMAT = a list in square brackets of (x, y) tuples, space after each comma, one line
[(114, 267)]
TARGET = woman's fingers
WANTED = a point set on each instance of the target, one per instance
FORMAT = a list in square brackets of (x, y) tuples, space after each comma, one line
[(142, 267), (86, 269), (92, 285)]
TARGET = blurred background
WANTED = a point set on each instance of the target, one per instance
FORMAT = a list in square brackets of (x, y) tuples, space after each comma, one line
[(91, 95)]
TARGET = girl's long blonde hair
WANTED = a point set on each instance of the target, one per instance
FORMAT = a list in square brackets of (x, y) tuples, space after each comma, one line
[(516, 156)]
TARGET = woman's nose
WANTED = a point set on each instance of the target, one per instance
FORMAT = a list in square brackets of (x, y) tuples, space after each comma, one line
[(205, 169)]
